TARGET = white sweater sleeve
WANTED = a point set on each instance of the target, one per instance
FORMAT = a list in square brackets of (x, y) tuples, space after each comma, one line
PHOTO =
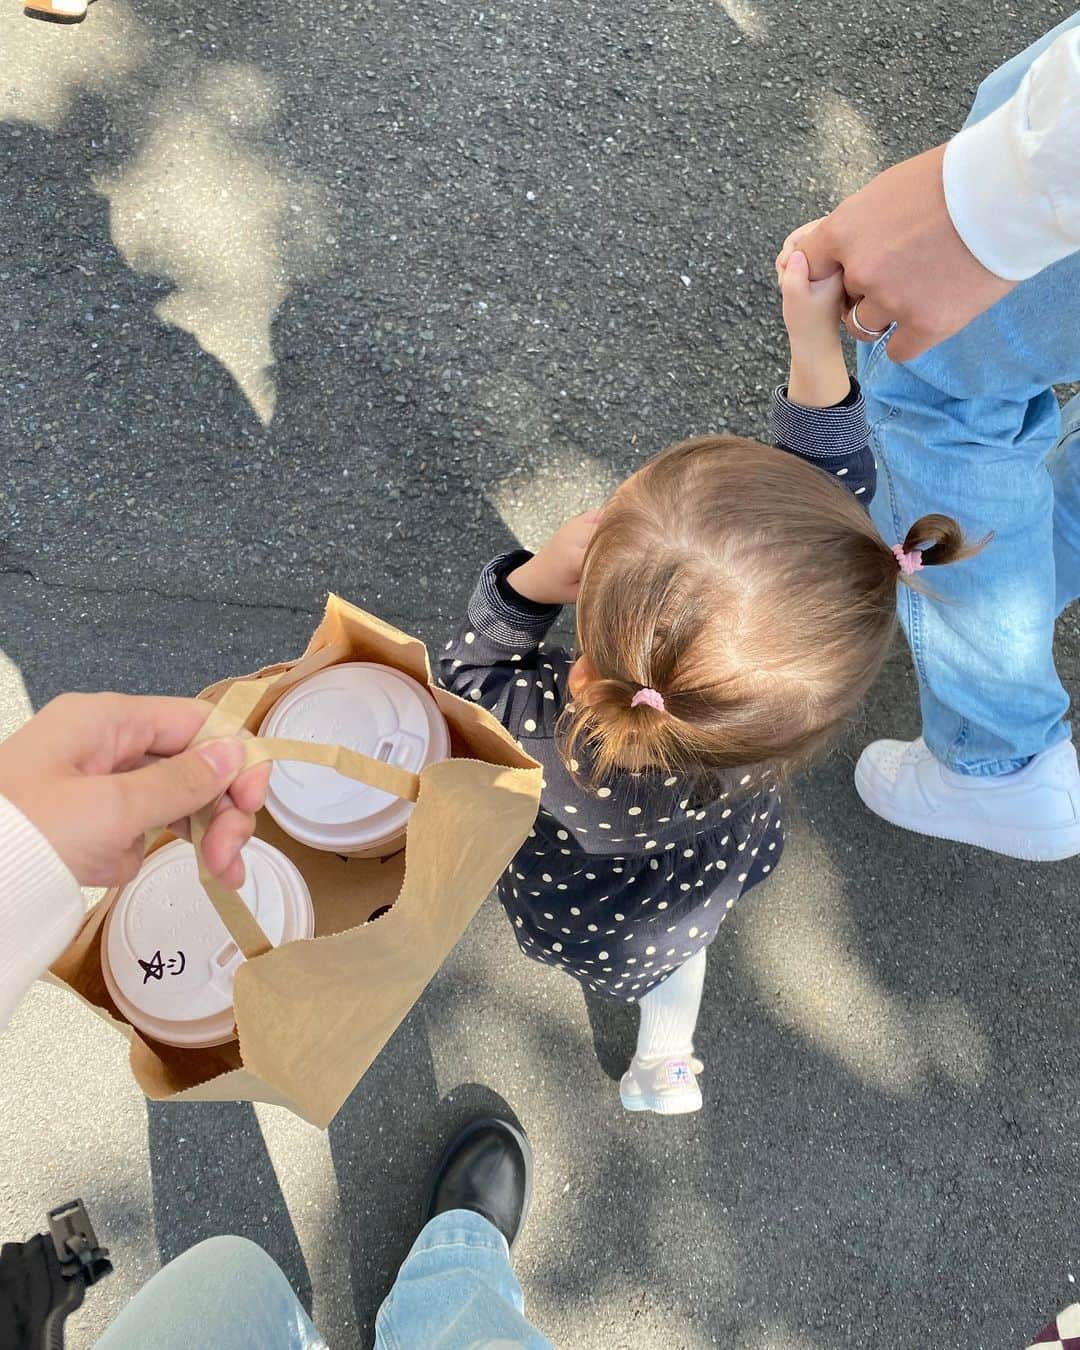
[(41, 906), (1012, 181)]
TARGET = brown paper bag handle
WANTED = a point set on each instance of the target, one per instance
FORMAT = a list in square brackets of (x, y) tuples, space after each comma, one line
[(227, 718)]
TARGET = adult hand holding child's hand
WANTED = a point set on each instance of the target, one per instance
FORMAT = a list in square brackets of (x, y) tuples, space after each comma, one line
[(901, 258), (94, 772), (552, 576)]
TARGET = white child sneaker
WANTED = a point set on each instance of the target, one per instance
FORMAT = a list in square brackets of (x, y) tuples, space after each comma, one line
[(667, 1086), (1033, 813)]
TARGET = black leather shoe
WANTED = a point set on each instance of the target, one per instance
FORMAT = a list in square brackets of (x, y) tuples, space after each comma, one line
[(488, 1168)]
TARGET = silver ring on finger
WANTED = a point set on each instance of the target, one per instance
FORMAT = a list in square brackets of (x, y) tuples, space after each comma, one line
[(866, 332)]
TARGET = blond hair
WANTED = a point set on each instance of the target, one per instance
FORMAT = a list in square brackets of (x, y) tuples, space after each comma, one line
[(753, 592)]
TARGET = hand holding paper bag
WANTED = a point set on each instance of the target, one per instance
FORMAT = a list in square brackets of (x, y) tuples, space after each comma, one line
[(312, 1015), (95, 772)]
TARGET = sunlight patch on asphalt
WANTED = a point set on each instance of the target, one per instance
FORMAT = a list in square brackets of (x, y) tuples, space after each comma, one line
[(44, 67), (747, 18), (203, 205), (15, 705), (542, 484), (847, 148), (801, 945)]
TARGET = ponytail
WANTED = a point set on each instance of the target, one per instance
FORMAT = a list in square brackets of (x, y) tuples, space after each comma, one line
[(933, 541), (612, 727), (945, 538)]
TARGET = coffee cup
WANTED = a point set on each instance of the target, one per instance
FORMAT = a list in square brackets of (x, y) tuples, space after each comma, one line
[(363, 706), (168, 960)]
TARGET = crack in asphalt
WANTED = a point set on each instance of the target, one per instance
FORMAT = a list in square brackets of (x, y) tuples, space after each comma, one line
[(83, 589), (183, 596)]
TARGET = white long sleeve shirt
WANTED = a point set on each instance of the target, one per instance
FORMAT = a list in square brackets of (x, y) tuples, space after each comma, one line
[(41, 906), (1012, 181)]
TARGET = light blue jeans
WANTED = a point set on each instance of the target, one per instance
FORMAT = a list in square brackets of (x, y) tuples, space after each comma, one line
[(455, 1291), (972, 428)]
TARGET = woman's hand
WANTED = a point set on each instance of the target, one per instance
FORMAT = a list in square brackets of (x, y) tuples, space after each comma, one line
[(94, 772), (552, 576), (902, 258), (791, 243)]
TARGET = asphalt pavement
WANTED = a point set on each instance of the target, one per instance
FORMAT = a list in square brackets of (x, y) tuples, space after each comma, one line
[(348, 296)]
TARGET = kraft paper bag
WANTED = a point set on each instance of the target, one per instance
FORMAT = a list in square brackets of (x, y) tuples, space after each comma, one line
[(312, 1015)]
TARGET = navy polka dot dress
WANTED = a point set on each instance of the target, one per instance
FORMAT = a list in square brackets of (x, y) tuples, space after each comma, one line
[(619, 886)]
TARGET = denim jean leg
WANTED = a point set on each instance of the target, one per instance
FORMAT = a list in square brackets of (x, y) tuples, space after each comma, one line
[(967, 429), (225, 1292), (1065, 474), (456, 1290)]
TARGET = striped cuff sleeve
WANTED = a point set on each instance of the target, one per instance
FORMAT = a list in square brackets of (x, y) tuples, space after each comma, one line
[(820, 433), (507, 621)]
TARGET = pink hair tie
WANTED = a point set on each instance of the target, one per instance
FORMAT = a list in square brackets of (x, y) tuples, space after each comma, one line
[(650, 698), (909, 562)]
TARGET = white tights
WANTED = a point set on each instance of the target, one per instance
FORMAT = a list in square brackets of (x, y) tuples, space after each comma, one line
[(669, 1012)]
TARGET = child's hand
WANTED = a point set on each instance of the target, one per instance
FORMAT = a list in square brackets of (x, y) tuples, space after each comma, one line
[(552, 576), (812, 309)]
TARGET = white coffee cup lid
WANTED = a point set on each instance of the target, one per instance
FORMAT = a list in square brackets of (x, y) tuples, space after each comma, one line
[(367, 707), (169, 961)]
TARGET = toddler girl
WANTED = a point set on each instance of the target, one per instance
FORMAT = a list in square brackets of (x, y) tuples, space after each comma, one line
[(734, 603)]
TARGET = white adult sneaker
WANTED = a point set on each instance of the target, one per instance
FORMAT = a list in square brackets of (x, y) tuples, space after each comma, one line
[(1033, 813), (71, 11)]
